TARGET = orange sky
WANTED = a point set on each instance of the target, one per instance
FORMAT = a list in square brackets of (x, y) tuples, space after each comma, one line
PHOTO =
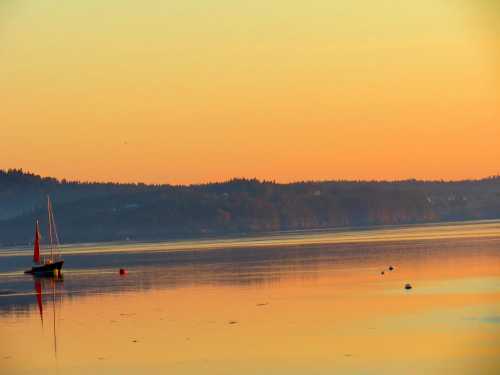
[(199, 91)]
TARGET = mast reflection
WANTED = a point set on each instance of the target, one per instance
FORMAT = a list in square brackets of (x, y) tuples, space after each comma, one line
[(46, 287)]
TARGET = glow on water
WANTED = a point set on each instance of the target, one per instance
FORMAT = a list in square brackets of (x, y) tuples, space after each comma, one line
[(489, 228), (318, 308)]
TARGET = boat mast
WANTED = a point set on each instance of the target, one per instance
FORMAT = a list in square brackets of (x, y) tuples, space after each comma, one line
[(54, 237), (49, 209)]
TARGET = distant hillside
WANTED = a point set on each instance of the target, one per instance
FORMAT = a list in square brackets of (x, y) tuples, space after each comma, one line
[(23, 193), (103, 212)]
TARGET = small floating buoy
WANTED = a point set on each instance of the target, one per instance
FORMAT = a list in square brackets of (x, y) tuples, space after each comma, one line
[(382, 273), (391, 268), (123, 271), (408, 286)]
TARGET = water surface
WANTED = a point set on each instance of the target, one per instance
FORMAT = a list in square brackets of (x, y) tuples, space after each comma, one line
[(292, 303)]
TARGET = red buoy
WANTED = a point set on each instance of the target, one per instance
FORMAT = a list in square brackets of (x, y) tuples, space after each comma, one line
[(123, 271)]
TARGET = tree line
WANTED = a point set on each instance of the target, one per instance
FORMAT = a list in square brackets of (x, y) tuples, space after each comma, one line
[(110, 211)]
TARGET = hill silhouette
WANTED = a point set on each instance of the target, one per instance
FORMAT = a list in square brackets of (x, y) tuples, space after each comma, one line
[(90, 212)]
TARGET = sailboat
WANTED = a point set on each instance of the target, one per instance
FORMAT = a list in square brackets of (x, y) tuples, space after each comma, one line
[(52, 264)]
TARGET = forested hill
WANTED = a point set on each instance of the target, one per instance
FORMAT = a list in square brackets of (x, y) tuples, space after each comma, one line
[(103, 212)]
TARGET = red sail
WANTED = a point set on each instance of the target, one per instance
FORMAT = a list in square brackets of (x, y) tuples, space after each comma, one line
[(36, 248)]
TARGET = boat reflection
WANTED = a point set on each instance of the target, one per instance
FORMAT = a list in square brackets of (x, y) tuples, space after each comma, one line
[(45, 288)]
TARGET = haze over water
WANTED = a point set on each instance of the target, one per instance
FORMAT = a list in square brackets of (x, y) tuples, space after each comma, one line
[(290, 303)]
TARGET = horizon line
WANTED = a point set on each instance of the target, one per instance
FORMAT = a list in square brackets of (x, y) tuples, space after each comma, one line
[(240, 178)]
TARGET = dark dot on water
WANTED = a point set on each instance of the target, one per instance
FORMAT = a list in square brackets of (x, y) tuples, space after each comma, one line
[(233, 322)]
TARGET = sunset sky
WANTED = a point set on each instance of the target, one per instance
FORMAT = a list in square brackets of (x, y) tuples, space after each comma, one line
[(195, 91)]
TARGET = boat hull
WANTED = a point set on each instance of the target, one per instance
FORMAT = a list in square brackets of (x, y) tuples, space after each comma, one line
[(46, 269)]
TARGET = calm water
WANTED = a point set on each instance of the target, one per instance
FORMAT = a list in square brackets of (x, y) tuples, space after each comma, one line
[(293, 303)]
